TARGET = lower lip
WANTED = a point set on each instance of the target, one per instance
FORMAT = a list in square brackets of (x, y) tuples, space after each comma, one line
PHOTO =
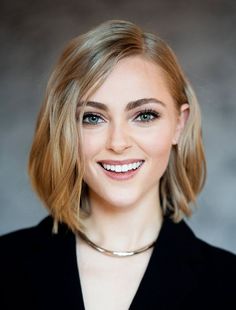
[(121, 175)]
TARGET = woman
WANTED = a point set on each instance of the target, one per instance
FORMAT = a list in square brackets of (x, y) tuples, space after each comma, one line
[(118, 160)]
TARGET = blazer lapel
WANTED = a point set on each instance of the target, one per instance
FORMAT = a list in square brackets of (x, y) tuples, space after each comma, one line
[(171, 275), (172, 270), (53, 269)]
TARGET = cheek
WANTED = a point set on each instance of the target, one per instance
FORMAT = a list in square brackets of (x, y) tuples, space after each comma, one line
[(91, 144), (157, 143)]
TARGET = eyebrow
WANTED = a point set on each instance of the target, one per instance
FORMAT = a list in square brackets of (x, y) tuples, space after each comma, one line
[(130, 106)]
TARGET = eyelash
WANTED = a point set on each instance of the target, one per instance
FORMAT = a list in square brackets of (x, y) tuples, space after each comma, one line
[(151, 112)]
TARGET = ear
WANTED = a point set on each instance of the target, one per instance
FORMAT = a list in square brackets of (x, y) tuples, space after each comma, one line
[(182, 120)]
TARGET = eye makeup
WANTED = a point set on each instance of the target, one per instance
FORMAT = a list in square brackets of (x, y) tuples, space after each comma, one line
[(143, 116), (150, 115)]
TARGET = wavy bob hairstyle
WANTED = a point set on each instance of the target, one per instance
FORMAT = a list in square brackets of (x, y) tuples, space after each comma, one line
[(56, 163)]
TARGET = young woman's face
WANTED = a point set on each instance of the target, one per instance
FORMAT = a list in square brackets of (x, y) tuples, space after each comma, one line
[(129, 127)]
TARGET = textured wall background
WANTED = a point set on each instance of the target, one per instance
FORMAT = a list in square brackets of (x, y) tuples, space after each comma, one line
[(202, 33)]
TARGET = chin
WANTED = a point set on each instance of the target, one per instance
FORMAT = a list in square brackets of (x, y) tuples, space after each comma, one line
[(122, 202)]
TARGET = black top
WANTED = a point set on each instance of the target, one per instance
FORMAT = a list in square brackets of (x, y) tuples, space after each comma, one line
[(38, 270)]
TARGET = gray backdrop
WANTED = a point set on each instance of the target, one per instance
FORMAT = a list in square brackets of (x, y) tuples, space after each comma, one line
[(202, 33)]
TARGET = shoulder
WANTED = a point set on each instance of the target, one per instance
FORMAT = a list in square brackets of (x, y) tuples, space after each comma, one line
[(218, 263), (211, 269), (206, 253), (213, 254), (27, 241), (210, 251), (215, 267), (30, 261), (185, 241), (211, 263), (23, 238), (45, 223)]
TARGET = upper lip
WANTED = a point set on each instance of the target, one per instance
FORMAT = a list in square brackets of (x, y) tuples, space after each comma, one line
[(120, 162)]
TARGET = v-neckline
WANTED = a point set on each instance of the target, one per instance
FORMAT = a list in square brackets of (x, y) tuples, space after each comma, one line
[(168, 263), (144, 279), (142, 288)]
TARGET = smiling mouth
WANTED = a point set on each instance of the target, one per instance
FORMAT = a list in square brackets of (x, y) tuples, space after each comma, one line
[(122, 169)]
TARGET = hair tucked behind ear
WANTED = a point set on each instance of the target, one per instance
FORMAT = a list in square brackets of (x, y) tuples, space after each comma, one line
[(186, 171), (56, 159)]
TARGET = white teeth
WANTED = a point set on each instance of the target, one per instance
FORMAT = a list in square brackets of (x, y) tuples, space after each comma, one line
[(125, 168), (122, 168)]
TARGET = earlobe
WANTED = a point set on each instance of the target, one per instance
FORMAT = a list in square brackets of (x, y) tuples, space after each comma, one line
[(182, 120)]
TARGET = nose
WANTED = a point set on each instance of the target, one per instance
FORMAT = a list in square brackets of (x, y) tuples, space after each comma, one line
[(118, 138)]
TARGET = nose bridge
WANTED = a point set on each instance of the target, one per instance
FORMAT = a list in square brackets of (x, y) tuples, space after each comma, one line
[(119, 136)]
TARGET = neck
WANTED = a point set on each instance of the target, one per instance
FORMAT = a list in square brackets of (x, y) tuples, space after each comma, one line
[(124, 228)]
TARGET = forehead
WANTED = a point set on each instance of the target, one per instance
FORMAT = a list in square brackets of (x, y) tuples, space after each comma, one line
[(133, 78)]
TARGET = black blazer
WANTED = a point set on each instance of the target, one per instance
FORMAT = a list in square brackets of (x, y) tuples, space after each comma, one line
[(38, 270)]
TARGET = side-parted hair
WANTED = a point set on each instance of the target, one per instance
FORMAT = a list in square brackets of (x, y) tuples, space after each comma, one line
[(56, 164)]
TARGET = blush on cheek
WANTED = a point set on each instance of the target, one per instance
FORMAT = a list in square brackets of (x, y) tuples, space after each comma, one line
[(91, 145), (157, 145), (159, 153)]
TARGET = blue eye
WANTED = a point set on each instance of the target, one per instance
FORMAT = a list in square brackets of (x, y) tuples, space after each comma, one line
[(147, 116), (91, 119)]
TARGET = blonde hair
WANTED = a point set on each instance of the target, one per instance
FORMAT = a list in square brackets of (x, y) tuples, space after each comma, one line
[(56, 164)]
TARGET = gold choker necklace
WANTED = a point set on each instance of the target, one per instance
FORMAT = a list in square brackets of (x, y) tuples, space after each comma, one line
[(115, 253)]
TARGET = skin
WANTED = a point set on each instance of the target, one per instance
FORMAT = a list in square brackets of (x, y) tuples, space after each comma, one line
[(126, 214)]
